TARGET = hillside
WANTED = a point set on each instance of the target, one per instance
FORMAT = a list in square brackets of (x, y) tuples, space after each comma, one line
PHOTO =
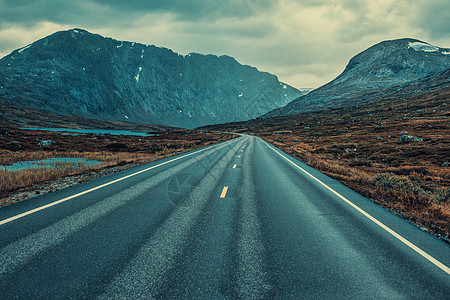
[(388, 68), (76, 72)]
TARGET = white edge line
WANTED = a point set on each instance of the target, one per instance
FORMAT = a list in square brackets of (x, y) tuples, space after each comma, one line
[(392, 232), (10, 219)]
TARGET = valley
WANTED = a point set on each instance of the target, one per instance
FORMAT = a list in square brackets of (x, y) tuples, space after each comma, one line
[(224, 150), (380, 127)]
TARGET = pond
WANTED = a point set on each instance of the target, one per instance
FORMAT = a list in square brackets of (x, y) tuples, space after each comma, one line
[(49, 163), (93, 131)]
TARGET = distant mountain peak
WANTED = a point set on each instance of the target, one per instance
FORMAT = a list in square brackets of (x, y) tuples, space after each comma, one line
[(374, 71), (77, 72)]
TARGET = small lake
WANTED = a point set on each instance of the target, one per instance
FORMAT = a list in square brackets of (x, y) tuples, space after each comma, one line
[(93, 131), (48, 163)]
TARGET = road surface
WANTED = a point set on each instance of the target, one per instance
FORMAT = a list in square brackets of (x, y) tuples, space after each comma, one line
[(236, 220)]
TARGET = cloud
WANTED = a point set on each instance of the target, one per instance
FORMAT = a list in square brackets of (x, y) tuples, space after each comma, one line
[(26, 12), (194, 9), (433, 18), (304, 42), (13, 37)]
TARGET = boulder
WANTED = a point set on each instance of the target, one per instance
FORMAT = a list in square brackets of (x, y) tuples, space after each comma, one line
[(46, 142), (410, 138)]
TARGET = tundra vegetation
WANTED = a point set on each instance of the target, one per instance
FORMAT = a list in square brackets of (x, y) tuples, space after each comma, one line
[(18, 145)]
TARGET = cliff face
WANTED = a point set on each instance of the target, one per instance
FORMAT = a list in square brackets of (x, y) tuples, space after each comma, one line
[(385, 68), (91, 76)]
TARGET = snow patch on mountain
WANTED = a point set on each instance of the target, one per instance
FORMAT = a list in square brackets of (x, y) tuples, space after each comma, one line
[(419, 46), (24, 48), (137, 76)]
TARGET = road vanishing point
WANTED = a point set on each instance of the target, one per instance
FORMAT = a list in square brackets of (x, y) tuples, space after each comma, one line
[(236, 220)]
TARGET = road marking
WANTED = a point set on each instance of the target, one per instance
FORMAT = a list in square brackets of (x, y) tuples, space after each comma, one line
[(234, 167), (224, 192), (146, 273), (370, 217), (24, 214)]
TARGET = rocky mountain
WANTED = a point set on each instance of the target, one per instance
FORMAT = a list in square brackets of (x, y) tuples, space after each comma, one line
[(391, 68), (76, 72)]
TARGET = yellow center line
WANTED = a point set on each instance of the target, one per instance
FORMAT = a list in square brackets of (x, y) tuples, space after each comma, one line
[(224, 192)]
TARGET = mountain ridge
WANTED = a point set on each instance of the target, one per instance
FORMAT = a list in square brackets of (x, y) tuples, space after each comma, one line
[(78, 72), (373, 73)]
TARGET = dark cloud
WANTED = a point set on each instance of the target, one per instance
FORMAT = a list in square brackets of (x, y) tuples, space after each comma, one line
[(434, 19), (94, 11), (194, 9), (305, 42), (28, 13)]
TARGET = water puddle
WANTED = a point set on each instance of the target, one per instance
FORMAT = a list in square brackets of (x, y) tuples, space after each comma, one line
[(49, 163), (93, 131)]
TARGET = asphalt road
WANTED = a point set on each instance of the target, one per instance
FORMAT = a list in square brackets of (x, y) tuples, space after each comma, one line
[(240, 219)]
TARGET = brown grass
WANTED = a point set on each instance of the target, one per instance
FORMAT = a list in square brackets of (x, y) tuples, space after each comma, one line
[(22, 145), (15, 179)]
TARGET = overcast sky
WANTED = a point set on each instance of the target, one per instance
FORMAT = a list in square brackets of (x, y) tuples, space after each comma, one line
[(306, 43)]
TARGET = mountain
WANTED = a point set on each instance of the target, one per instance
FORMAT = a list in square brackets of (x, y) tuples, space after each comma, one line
[(21, 116), (76, 72), (391, 68)]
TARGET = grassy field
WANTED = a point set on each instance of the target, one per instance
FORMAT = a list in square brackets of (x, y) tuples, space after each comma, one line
[(17, 145), (11, 180)]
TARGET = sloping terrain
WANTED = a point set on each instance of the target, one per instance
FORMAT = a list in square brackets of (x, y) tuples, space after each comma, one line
[(390, 67), (21, 116)]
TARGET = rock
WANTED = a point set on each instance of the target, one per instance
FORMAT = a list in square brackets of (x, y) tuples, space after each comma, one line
[(46, 142), (410, 138)]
